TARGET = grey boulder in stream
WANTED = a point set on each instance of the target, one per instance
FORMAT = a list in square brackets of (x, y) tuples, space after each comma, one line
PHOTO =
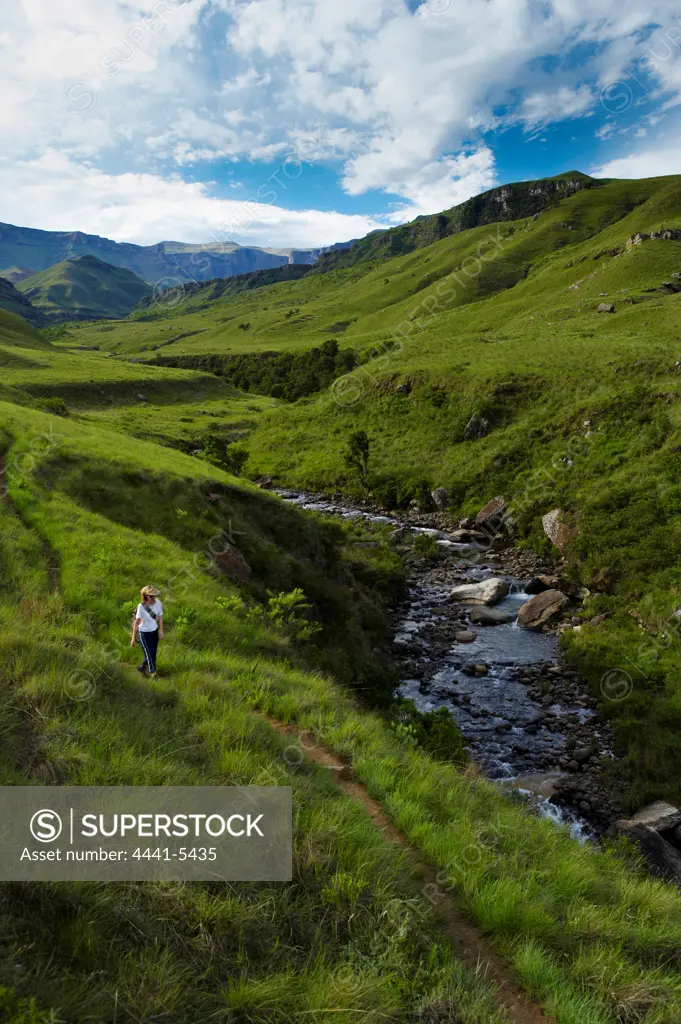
[(487, 592), (490, 617), (541, 609)]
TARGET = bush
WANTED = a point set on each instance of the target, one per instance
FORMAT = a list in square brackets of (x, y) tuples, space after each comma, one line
[(435, 731), (57, 406)]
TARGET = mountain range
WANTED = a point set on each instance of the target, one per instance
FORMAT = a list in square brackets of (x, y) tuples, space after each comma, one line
[(27, 251)]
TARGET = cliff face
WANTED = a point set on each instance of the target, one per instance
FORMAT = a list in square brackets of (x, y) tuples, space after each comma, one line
[(508, 202), (28, 247)]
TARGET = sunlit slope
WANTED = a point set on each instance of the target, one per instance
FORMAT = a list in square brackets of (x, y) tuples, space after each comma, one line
[(366, 303)]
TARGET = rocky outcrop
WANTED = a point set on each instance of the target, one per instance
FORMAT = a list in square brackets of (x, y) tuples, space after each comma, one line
[(636, 239), (476, 428), (487, 592), (542, 609), (440, 498), (559, 532), (663, 235), (233, 564)]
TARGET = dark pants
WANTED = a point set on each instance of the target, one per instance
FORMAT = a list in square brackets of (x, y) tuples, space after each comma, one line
[(149, 643)]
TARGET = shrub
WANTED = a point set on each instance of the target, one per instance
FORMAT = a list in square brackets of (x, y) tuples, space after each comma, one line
[(57, 406), (435, 731)]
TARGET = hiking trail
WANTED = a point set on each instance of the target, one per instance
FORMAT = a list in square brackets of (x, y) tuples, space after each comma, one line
[(471, 946)]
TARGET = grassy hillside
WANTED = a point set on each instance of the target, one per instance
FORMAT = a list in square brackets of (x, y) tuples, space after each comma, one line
[(355, 935), (209, 291), (363, 305), (12, 301), (15, 332), (84, 288)]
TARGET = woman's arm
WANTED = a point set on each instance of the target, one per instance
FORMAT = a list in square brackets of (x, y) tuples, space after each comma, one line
[(135, 626), (160, 627)]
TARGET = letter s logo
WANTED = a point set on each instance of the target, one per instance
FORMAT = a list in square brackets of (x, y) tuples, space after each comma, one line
[(46, 826)]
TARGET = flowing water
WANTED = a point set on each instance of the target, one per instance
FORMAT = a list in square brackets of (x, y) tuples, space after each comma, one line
[(517, 741)]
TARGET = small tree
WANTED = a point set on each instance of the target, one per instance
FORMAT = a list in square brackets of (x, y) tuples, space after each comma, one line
[(357, 456)]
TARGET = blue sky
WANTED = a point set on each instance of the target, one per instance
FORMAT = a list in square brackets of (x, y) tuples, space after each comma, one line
[(304, 122)]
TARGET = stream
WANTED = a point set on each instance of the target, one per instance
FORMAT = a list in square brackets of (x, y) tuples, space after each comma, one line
[(528, 721)]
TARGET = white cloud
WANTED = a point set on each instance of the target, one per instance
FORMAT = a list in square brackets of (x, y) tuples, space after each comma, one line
[(160, 87), (57, 194), (541, 108), (650, 163)]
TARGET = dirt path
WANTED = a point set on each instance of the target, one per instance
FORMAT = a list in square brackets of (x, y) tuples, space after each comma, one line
[(470, 945)]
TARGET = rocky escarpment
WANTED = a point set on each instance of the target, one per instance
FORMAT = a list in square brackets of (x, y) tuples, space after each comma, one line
[(508, 202)]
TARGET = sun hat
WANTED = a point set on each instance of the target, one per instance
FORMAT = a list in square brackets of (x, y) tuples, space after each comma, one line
[(150, 591)]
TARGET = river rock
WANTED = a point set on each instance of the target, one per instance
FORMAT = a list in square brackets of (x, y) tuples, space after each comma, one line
[(539, 610), (492, 515), (559, 533), (487, 592), (490, 617), (663, 860), (658, 815), (466, 636), (440, 498), (538, 584)]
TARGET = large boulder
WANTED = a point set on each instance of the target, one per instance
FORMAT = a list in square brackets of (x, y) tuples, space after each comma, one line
[(440, 498), (487, 592), (492, 515), (663, 859), (538, 584), (658, 815), (559, 533), (606, 307), (483, 616), (233, 564), (541, 609)]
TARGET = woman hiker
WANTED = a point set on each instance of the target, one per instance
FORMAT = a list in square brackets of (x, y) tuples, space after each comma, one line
[(148, 622)]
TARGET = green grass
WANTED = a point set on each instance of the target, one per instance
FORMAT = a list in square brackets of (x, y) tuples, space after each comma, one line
[(169, 419), (34, 370), (588, 934)]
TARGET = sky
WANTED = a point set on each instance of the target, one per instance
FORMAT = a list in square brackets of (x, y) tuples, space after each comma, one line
[(301, 123)]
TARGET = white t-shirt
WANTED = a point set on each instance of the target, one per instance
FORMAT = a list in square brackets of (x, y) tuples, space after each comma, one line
[(149, 623)]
